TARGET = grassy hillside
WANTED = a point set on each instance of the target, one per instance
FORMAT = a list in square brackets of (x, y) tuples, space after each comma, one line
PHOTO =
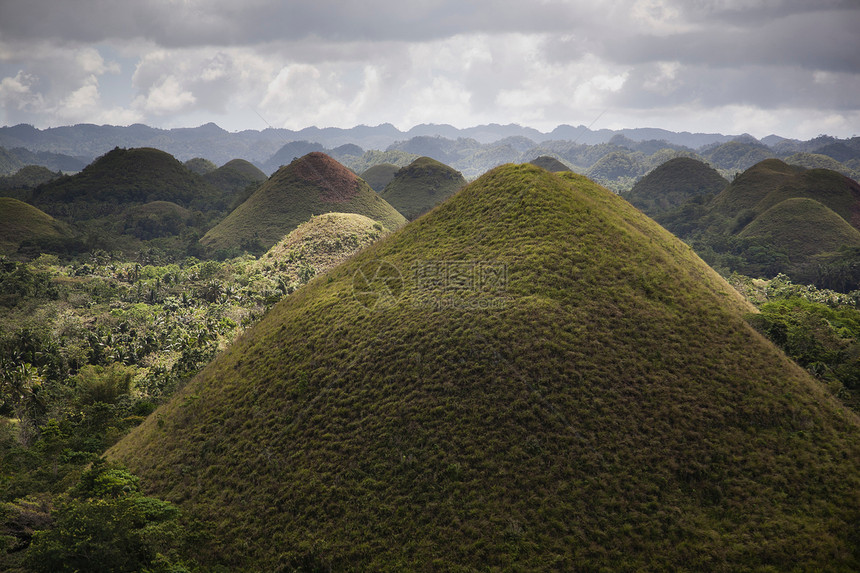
[(20, 222), (717, 228), (829, 188), (200, 166), (122, 177), (316, 246), (738, 155), (802, 227), (533, 376), (237, 179), (749, 188), (549, 163), (312, 185), (421, 185), (673, 183), (380, 175), (819, 161)]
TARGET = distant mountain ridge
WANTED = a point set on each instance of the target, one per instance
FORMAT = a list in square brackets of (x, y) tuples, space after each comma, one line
[(218, 145)]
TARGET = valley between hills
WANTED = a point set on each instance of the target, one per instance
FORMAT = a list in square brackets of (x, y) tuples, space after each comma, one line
[(459, 350)]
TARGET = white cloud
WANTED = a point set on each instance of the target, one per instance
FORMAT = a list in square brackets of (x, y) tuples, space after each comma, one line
[(466, 62), (166, 96)]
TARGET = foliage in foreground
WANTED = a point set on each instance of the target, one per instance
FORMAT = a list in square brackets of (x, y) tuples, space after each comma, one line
[(102, 524)]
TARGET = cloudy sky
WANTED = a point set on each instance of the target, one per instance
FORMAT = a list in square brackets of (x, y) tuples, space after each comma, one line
[(790, 67)]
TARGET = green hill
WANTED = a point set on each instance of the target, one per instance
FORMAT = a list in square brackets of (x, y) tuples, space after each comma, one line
[(237, 179), (749, 188), (20, 222), (9, 164), (200, 166), (738, 155), (549, 163), (20, 184), (317, 245), (312, 185), (829, 188), (156, 219), (802, 227), (379, 175), (673, 183), (421, 185), (125, 177), (818, 161), (770, 182), (533, 376), (615, 165)]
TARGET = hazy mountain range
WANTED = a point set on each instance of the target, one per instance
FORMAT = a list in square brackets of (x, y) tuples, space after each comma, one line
[(218, 145)]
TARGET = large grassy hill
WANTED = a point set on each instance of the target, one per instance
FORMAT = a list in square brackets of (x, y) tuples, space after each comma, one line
[(379, 175), (549, 163), (421, 185), (533, 376), (125, 177), (317, 245), (673, 183), (21, 222), (786, 240), (802, 227), (237, 179), (311, 185), (749, 188)]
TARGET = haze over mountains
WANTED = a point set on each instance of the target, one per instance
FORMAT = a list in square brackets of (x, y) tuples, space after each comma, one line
[(85, 142)]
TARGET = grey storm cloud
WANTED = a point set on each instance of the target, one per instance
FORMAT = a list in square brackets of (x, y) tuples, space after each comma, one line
[(178, 24), (782, 63)]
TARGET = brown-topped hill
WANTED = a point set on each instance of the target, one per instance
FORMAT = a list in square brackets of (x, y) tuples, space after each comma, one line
[(311, 185)]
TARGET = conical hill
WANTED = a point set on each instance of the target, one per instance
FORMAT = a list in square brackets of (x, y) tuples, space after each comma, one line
[(124, 177), (20, 222), (673, 183), (770, 182), (788, 226), (533, 376), (311, 185), (421, 185)]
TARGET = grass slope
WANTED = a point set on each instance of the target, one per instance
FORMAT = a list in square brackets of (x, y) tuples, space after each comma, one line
[(749, 188), (673, 183), (802, 227), (20, 222), (832, 189), (236, 177), (126, 176), (421, 185), (311, 185), (317, 245), (380, 175), (600, 404), (818, 161), (549, 163)]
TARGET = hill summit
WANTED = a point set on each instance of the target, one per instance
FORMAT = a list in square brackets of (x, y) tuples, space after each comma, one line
[(421, 185), (124, 177), (311, 185), (533, 376), (673, 183)]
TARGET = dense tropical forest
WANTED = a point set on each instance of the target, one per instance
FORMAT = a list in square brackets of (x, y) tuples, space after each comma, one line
[(122, 279)]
